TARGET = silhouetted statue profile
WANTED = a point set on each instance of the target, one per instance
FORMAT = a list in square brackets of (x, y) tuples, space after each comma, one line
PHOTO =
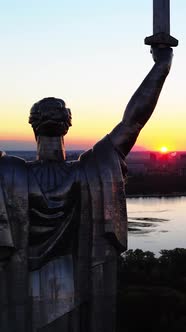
[(63, 224)]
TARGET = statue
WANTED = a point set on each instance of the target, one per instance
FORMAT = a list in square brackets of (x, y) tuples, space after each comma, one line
[(63, 224)]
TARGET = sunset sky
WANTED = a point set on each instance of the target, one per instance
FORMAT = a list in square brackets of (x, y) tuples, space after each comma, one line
[(92, 55)]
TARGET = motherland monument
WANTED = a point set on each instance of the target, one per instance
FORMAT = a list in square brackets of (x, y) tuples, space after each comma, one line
[(64, 224)]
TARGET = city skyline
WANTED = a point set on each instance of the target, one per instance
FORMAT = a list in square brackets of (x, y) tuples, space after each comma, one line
[(93, 56)]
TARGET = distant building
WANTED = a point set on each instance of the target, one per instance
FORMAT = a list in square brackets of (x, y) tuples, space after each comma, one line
[(138, 163)]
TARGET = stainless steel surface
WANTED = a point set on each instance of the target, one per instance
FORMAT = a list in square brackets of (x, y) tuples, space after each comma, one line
[(161, 26), (52, 291), (161, 16), (66, 223)]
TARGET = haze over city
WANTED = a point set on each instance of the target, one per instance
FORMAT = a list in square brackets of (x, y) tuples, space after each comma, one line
[(92, 55)]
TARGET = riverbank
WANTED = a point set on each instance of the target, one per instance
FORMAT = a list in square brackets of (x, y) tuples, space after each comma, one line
[(156, 186), (156, 195)]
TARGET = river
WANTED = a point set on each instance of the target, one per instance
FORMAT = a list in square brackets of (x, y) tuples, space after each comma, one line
[(156, 223)]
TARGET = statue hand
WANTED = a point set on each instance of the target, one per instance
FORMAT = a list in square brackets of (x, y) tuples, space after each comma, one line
[(162, 55)]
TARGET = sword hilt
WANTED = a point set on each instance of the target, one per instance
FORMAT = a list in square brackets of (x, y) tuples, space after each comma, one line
[(161, 38)]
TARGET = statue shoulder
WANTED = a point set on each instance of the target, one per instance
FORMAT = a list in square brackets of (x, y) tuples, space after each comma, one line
[(99, 149), (10, 160), (2, 154)]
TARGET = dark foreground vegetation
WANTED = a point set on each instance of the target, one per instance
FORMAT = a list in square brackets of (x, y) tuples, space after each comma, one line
[(152, 291)]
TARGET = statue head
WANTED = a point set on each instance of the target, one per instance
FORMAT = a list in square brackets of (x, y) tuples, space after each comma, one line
[(50, 117)]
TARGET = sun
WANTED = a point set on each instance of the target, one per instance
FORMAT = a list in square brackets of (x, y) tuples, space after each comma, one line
[(163, 149)]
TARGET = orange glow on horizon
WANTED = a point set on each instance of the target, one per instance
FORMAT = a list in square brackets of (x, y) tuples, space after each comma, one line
[(84, 134)]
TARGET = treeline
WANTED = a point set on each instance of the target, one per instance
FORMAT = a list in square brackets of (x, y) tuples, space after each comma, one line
[(152, 291), (155, 185)]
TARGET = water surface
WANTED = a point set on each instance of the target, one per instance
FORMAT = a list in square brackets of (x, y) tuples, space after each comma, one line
[(157, 223)]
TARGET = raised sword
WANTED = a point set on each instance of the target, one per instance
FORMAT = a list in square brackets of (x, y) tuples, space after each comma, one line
[(161, 25)]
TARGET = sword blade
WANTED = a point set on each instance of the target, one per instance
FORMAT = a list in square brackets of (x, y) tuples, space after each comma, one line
[(161, 16)]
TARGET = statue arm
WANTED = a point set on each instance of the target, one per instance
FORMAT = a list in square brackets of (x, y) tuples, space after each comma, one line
[(142, 103)]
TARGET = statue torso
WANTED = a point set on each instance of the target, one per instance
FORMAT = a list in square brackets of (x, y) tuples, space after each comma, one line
[(54, 196)]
